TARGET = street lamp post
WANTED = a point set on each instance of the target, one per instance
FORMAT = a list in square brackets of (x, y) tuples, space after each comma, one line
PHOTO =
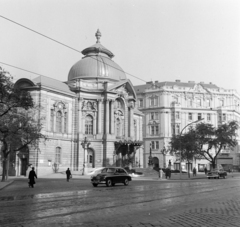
[(181, 144), (85, 144)]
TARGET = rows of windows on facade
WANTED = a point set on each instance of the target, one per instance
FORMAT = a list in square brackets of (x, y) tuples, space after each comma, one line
[(154, 101)]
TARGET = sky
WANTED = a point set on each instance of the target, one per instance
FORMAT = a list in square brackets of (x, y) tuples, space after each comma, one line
[(153, 40)]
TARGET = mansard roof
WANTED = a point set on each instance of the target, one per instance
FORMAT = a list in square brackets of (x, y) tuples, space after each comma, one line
[(190, 84)]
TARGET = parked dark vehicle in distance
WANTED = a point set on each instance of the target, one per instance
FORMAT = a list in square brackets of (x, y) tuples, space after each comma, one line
[(217, 173), (111, 176)]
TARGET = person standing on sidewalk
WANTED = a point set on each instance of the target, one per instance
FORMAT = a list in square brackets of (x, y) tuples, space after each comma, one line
[(205, 170), (31, 178), (68, 173), (194, 172)]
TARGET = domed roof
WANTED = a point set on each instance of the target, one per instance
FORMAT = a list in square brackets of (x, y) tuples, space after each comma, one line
[(97, 63)]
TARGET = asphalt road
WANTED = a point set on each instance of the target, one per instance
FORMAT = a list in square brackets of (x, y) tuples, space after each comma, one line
[(55, 202)]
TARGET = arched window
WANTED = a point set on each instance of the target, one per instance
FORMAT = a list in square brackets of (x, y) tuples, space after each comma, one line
[(118, 127), (52, 120), (89, 125), (58, 155), (59, 122), (65, 122)]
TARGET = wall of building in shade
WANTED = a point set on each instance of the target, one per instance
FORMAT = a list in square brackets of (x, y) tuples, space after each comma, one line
[(169, 106)]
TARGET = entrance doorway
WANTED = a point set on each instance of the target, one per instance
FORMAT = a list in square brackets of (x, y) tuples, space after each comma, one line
[(90, 158), (155, 161), (24, 166)]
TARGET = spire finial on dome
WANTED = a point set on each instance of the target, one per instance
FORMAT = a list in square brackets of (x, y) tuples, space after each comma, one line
[(98, 36)]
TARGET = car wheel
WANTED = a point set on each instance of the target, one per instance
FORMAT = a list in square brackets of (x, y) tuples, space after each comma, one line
[(126, 182), (109, 182), (95, 185)]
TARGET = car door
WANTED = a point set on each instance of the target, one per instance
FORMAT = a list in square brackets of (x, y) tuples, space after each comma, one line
[(122, 175)]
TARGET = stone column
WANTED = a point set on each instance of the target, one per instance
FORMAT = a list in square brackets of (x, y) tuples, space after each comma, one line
[(54, 121), (107, 117), (94, 125), (62, 119), (99, 116), (131, 126), (112, 117), (80, 115)]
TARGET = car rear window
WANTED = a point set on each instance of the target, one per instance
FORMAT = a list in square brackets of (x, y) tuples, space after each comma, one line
[(111, 170)]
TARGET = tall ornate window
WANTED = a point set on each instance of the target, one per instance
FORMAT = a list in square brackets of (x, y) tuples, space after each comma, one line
[(65, 122), (152, 130), (118, 127), (52, 120), (89, 125), (135, 129), (59, 122), (58, 155)]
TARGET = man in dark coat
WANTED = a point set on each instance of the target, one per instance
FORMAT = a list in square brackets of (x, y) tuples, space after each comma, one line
[(31, 177), (68, 172)]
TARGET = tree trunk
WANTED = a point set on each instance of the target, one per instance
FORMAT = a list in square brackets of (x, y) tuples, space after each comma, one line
[(4, 165)]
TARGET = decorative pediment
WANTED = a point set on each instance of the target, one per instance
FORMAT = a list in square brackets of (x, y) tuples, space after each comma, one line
[(123, 89), (89, 105), (199, 89), (59, 105)]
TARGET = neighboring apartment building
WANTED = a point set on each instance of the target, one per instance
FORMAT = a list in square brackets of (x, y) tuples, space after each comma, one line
[(98, 103), (169, 106)]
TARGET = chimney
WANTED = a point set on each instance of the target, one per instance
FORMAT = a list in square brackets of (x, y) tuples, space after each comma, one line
[(191, 82), (210, 83), (150, 82), (178, 81)]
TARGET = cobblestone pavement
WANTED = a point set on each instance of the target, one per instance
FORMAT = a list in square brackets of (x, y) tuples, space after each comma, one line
[(201, 203)]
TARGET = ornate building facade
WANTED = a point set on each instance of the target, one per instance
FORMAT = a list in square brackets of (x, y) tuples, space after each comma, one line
[(91, 120), (170, 106)]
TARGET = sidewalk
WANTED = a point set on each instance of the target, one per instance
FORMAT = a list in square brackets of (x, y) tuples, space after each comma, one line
[(5, 184)]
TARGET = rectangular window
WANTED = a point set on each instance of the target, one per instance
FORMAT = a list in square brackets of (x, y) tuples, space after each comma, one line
[(58, 155), (65, 122), (190, 116), (177, 115), (156, 130), (198, 102), (152, 101), (157, 144), (209, 117), (52, 120), (152, 116), (199, 116), (208, 102), (155, 101), (221, 102), (140, 103), (219, 117), (189, 102), (153, 145), (152, 130), (224, 117), (156, 115)]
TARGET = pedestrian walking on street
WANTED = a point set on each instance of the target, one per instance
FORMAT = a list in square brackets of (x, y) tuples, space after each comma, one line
[(32, 175), (68, 173), (194, 172), (205, 170), (160, 173)]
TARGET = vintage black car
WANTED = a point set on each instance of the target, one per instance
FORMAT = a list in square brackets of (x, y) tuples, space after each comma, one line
[(217, 173), (111, 176)]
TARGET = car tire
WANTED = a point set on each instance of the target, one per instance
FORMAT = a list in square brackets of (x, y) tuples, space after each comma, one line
[(109, 182), (126, 182), (95, 185)]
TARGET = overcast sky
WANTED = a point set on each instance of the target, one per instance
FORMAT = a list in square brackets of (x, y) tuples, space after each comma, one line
[(164, 40)]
